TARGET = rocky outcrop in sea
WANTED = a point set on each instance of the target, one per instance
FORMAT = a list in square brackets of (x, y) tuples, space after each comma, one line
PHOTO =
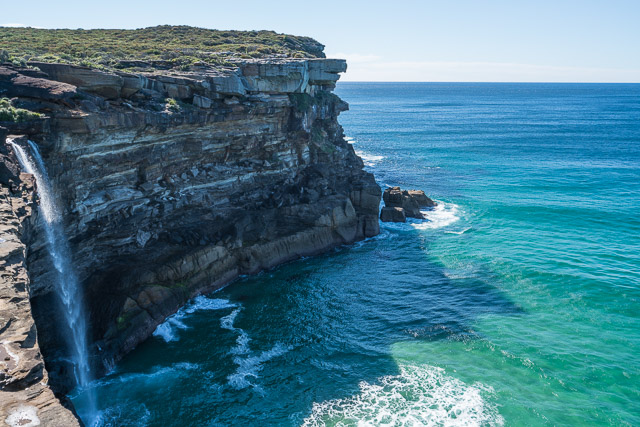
[(402, 204)]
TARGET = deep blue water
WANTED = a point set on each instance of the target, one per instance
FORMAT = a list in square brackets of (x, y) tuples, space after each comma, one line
[(517, 303)]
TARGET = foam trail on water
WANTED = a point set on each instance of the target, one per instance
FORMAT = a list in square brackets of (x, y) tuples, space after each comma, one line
[(421, 395), (168, 330), (458, 232), (66, 283), (249, 366)]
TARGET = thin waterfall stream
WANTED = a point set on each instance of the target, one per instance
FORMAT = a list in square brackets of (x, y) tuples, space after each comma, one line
[(66, 282)]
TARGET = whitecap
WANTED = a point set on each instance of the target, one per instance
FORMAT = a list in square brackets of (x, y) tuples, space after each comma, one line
[(242, 342), (442, 215), (350, 140), (458, 232), (168, 330), (226, 322), (419, 396), (249, 367), (133, 415), (369, 159)]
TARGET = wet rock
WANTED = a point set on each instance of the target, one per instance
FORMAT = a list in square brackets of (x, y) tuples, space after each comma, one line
[(421, 199), (389, 214), (409, 200)]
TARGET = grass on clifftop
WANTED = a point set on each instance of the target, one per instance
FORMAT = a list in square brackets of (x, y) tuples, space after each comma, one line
[(173, 46)]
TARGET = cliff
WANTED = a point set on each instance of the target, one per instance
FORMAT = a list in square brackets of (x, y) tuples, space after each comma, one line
[(25, 396), (176, 182)]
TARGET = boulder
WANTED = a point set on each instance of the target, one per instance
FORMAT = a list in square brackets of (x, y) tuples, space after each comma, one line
[(421, 198), (390, 214), (409, 200)]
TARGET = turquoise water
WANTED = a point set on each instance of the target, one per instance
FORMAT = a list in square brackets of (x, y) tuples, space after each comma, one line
[(517, 303)]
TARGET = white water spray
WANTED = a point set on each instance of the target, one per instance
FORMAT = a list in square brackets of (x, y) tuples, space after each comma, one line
[(66, 283)]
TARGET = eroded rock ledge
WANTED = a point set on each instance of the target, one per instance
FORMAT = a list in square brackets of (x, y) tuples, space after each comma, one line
[(174, 184)]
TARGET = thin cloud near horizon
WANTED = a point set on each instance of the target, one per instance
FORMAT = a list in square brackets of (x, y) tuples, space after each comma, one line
[(369, 67)]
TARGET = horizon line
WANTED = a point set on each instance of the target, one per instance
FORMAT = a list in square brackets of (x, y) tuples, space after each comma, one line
[(480, 82)]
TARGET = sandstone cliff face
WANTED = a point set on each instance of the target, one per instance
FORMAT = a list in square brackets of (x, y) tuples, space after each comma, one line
[(239, 171), (25, 397)]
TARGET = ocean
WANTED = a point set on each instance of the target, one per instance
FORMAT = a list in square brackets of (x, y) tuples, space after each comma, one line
[(516, 303)]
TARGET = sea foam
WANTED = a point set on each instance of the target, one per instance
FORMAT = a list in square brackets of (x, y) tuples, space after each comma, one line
[(250, 365), (419, 396), (442, 215), (369, 159), (168, 330)]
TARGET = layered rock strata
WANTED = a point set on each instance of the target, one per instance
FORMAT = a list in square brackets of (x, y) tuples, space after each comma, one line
[(174, 184), (25, 397)]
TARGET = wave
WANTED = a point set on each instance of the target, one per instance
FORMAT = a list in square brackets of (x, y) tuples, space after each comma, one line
[(250, 366), (132, 415), (442, 215), (350, 140), (369, 159), (242, 342), (420, 396), (168, 330), (458, 232)]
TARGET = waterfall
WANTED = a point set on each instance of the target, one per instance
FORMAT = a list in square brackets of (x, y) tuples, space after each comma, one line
[(66, 282)]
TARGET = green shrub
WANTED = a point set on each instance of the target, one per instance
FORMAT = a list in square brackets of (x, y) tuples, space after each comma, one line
[(172, 105), (107, 47), (8, 113)]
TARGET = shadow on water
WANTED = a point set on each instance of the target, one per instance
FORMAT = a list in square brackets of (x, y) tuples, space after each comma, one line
[(309, 331)]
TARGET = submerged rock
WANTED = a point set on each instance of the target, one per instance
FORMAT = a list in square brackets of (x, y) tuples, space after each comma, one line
[(400, 204)]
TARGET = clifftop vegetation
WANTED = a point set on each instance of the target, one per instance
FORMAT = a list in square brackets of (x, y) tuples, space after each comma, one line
[(163, 46)]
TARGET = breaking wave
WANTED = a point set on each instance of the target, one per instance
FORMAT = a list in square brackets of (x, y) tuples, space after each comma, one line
[(248, 366), (442, 215), (369, 159), (168, 330), (419, 396)]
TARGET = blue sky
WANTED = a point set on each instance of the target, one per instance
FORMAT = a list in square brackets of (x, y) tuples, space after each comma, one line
[(446, 40)]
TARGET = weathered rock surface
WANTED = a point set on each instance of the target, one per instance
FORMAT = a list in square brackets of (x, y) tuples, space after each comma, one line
[(25, 397), (245, 169), (400, 204), (390, 214)]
